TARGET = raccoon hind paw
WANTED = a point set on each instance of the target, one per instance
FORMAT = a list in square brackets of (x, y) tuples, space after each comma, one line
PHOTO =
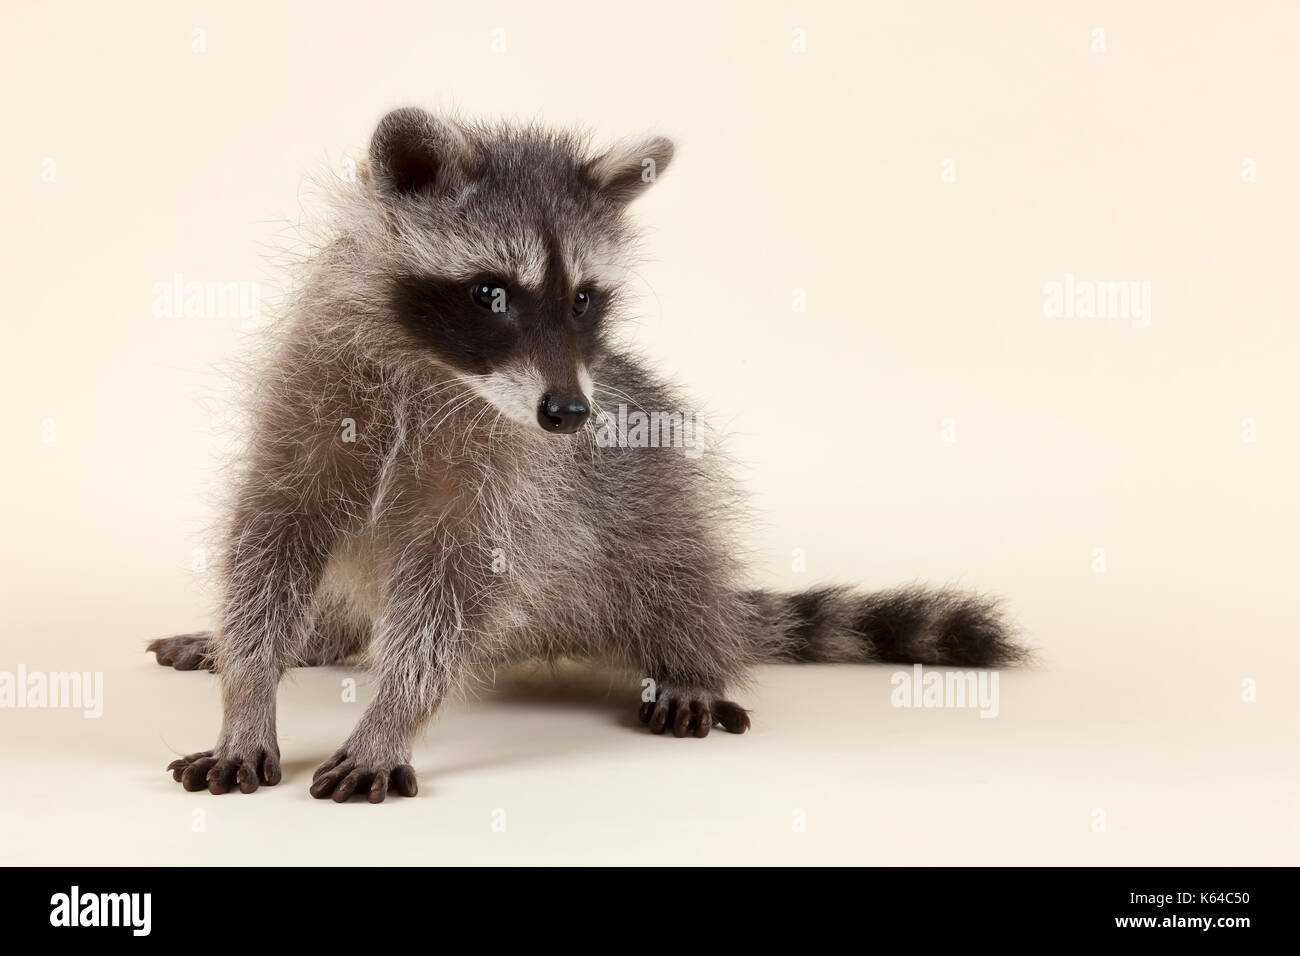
[(185, 652), (692, 713)]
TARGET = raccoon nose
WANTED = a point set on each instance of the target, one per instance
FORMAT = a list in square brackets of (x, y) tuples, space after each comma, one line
[(562, 413)]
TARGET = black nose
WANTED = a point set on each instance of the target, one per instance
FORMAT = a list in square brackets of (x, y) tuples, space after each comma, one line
[(562, 413)]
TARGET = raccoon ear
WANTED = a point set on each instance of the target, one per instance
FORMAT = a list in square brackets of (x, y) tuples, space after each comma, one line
[(413, 150), (626, 170)]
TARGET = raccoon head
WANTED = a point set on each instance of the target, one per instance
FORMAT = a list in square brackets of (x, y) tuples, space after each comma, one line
[(509, 248)]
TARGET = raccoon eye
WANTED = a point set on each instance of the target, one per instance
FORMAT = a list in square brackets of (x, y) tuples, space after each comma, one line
[(580, 303), (487, 295)]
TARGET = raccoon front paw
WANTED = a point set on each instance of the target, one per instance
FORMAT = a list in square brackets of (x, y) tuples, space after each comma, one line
[(185, 652), (206, 771), (341, 776), (692, 713)]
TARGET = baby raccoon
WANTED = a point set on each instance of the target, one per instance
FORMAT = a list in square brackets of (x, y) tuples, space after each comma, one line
[(431, 476)]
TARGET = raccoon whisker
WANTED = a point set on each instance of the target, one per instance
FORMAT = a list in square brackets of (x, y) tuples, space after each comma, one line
[(459, 380), (470, 398), (431, 390), (493, 430), (589, 428), (432, 413), (461, 401), (441, 388), (469, 429), (620, 394)]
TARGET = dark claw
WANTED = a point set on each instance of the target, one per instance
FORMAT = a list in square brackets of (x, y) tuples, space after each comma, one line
[(701, 719), (338, 757), (339, 778), (403, 781), (733, 717), (349, 785), (659, 719), (177, 767), (222, 775), (202, 771), (378, 787), (691, 715), (682, 719), (325, 783), (270, 769), (195, 776)]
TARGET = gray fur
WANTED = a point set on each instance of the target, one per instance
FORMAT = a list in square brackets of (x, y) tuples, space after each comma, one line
[(619, 555)]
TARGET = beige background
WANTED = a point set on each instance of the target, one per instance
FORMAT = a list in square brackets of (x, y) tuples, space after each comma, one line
[(819, 171)]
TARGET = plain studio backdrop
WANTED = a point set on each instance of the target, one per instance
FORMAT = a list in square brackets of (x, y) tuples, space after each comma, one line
[(851, 265)]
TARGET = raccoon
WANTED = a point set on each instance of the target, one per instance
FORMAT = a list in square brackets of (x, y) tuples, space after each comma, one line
[(426, 479)]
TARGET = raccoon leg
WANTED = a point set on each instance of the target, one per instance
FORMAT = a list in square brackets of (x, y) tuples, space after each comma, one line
[(411, 681), (338, 632), (419, 654), (690, 666), (278, 551), (693, 650)]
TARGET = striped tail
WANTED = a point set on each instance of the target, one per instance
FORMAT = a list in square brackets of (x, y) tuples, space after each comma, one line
[(910, 625)]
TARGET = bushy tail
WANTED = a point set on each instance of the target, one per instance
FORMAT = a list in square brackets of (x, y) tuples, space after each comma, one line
[(910, 625)]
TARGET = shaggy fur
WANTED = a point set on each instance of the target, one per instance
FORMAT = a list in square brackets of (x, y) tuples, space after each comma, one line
[(455, 534)]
